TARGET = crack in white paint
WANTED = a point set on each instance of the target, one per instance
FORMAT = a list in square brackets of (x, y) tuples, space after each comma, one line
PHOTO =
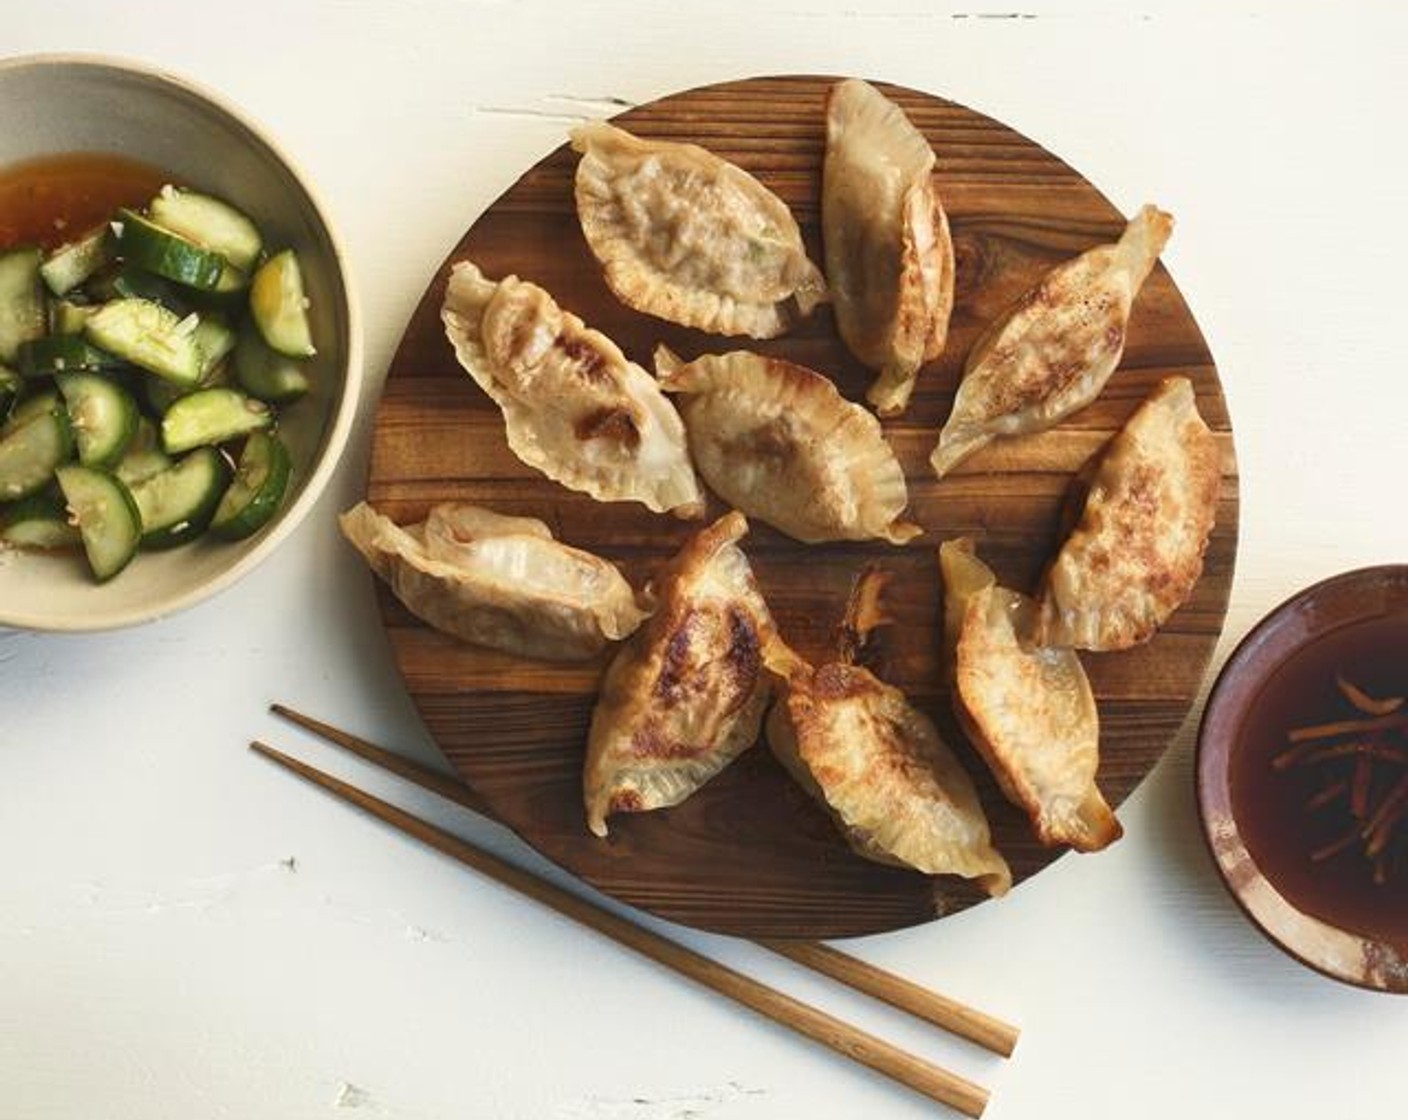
[(420, 933), (536, 114), (610, 100), (196, 894), (575, 107), (688, 1105), (353, 1096)]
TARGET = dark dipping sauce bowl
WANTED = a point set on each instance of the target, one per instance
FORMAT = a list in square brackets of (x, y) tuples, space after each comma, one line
[(1307, 819)]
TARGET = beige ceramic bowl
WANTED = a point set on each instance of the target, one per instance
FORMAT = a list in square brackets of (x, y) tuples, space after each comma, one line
[(67, 103)]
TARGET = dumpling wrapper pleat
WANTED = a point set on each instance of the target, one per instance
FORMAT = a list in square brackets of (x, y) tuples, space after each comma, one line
[(889, 252), (574, 407), (1136, 553), (879, 766), (497, 581), (1028, 710), (687, 236), (686, 695), (777, 441), (1055, 348)]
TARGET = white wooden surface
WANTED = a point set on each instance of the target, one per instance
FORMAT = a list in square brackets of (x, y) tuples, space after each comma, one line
[(185, 932)]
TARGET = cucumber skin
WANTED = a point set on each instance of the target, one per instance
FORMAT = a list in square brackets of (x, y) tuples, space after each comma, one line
[(76, 388), (38, 522), (192, 522), (264, 373), (168, 254), (22, 313), (183, 427), (145, 333), (74, 263), (279, 305), (256, 512), (210, 222), (73, 476), (144, 456), (61, 353), (31, 483)]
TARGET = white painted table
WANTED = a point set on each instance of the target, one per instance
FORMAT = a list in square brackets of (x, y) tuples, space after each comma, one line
[(186, 932)]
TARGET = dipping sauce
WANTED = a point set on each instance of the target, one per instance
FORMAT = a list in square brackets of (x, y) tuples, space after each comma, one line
[(54, 199), (1304, 819)]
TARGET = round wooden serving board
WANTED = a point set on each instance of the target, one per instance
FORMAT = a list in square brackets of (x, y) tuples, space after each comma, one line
[(750, 854)]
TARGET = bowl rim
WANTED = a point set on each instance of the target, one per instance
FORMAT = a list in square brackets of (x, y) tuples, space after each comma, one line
[(1370, 963), (340, 423)]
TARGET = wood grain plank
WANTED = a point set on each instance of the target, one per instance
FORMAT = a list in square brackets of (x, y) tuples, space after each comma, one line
[(750, 854)]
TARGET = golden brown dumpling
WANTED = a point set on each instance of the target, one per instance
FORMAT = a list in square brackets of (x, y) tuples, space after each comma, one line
[(889, 255), (1029, 711), (686, 695), (497, 581), (1053, 351), (689, 237), (1137, 551), (877, 763), (778, 441), (574, 407)]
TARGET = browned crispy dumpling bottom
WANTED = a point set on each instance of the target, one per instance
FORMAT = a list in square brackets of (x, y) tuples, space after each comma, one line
[(686, 695), (574, 407), (1137, 551), (1028, 710), (1053, 351)]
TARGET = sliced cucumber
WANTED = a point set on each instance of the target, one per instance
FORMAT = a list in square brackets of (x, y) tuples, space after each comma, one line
[(233, 282), (261, 480), (29, 453), (22, 315), (144, 456), (70, 265), (161, 394), (106, 516), (11, 385), (60, 353), (215, 340), (265, 373), (147, 335), (30, 407), (66, 317), (160, 251), (103, 416), (210, 416), (279, 307), (133, 283), (177, 504), (39, 521), (209, 222)]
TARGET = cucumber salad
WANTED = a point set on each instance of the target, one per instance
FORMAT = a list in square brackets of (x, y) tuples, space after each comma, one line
[(142, 369)]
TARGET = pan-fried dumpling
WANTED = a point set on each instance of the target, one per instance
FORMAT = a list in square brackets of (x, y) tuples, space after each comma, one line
[(1029, 711), (1137, 550), (689, 237), (889, 255), (1053, 351), (778, 441), (877, 764), (686, 695), (574, 407), (498, 581)]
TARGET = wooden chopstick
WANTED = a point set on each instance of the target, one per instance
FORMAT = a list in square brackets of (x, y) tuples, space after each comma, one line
[(948, 1014), (924, 1077)]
